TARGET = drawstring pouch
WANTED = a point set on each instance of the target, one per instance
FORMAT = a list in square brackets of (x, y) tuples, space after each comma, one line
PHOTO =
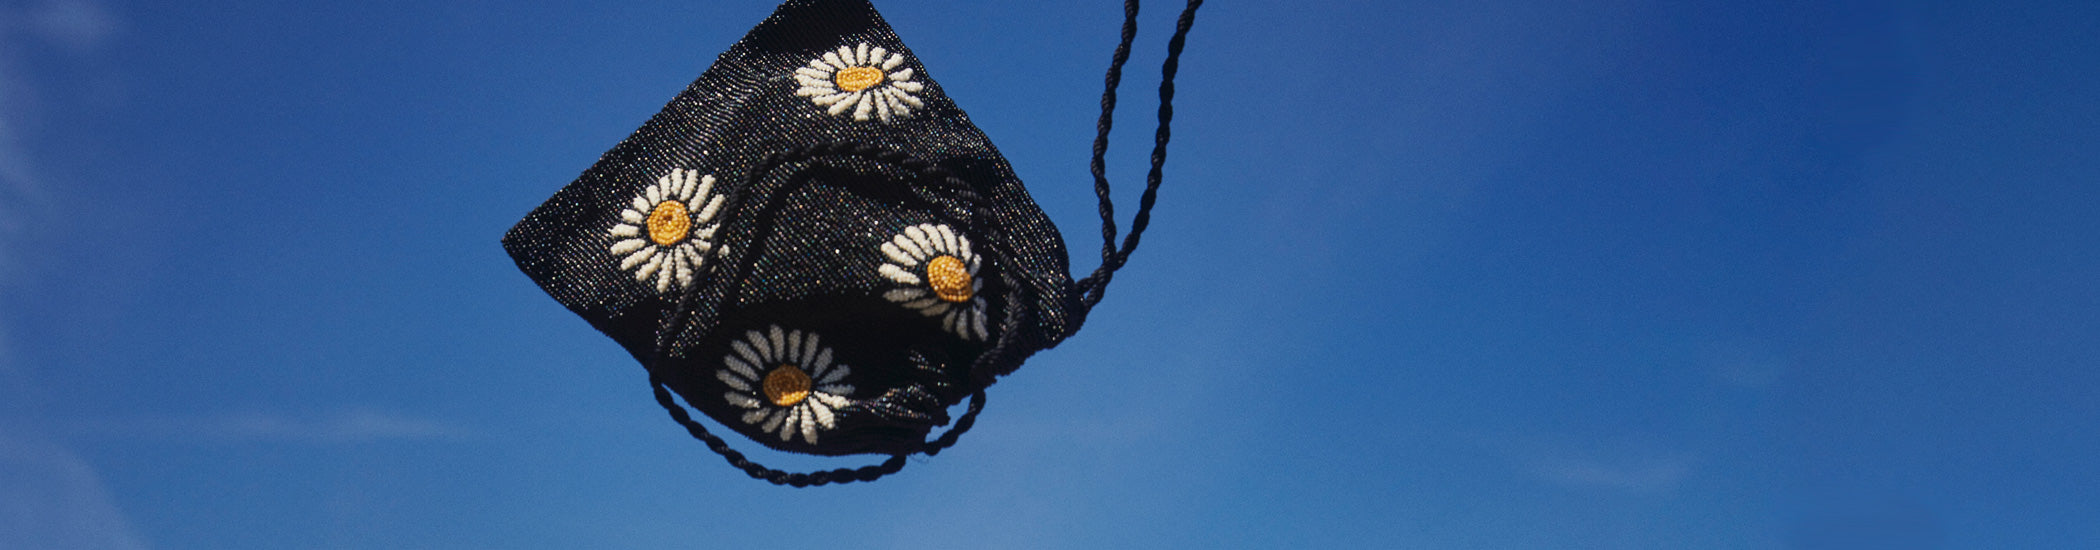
[(815, 248)]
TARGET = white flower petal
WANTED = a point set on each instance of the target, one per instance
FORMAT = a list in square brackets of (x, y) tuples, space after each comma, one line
[(773, 420), (656, 192), (626, 230), (635, 218), (860, 55), (898, 274), (674, 187), (788, 428), (830, 394), (707, 186), (648, 270), (860, 112), (830, 100), (836, 63), (815, 372), (877, 54), (758, 343), (889, 97), (750, 356), (809, 352), (822, 408), (893, 62), (903, 295), (714, 206), (909, 88), (835, 375), (918, 235), (694, 257), (977, 320), (911, 100), (901, 76), (638, 257), (846, 53), (898, 255), (794, 348), (846, 103), (823, 361), (643, 206), (754, 416), (813, 73), (917, 253), (628, 246), (742, 368), (741, 401), (685, 267), (809, 423), (778, 340), (733, 381), (947, 237)]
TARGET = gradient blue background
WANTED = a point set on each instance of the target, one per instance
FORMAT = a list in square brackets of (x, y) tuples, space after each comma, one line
[(1501, 274)]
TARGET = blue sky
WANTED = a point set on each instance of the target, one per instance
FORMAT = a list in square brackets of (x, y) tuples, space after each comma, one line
[(1506, 274)]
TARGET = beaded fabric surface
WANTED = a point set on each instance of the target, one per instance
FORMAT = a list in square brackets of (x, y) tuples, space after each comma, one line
[(813, 246), (843, 241)]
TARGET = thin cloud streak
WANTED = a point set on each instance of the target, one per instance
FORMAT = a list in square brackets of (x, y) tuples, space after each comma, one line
[(71, 26), (41, 29), (347, 427), (51, 498), (1609, 464), (1661, 474)]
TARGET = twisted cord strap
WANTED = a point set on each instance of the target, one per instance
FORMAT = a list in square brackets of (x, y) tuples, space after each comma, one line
[(1112, 257), (822, 477)]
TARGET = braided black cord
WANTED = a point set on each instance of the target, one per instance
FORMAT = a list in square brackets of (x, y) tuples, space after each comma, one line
[(1008, 328), (1113, 258), (1099, 165)]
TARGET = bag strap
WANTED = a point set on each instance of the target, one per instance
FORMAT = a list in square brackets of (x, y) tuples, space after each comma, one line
[(1091, 288)]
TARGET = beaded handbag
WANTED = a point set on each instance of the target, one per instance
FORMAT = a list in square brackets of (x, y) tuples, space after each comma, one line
[(814, 247)]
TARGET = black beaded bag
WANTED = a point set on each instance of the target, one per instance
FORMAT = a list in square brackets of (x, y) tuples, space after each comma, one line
[(813, 246)]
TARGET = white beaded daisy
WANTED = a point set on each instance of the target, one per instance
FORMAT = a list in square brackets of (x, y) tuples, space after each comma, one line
[(939, 277), (786, 382), (868, 81), (666, 233)]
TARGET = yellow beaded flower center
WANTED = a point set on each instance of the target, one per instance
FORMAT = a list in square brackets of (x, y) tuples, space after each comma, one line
[(786, 386), (854, 79), (949, 278), (669, 222)]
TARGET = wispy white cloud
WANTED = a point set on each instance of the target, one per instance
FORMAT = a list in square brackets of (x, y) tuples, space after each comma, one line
[(51, 26), (1617, 464), (52, 499), (79, 24), (345, 427), (31, 32), (1650, 474), (28, 31)]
